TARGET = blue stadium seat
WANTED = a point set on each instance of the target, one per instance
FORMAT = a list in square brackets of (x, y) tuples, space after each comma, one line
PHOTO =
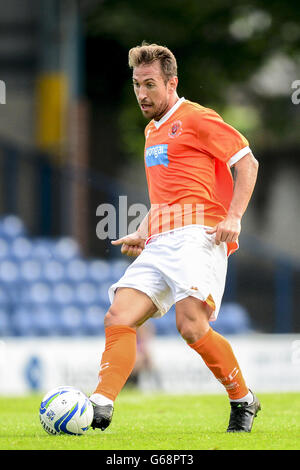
[(76, 269), (45, 320), (13, 291), (118, 268), (86, 292), (22, 322), (66, 248), (21, 248), (53, 270), (43, 248), (5, 323), (37, 293), (102, 290), (63, 293), (232, 319), (166, 325), (30, 270), (9, 270), (4, 248), (10, 279), (11, 226), (98, 270), (4, 296), (71, 320), (62, 249), (93, 320)]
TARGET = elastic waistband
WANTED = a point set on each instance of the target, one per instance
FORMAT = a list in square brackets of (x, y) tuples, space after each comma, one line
[(174, 231)]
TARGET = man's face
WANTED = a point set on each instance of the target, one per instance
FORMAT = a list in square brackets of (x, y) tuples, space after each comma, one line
[(154, 95)]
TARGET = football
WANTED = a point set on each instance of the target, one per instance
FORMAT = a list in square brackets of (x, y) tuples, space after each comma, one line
[(66, 410)]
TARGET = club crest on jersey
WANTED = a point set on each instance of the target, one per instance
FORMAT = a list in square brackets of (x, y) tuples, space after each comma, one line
[(175, 129)]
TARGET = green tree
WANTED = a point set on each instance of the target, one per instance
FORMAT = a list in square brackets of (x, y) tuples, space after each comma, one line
[(225, 52)]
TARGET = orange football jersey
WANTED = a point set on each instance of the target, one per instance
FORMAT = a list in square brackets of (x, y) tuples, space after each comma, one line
[(187, 161)]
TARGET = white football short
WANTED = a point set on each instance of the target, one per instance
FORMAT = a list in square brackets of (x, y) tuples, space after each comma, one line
[(178, 264)]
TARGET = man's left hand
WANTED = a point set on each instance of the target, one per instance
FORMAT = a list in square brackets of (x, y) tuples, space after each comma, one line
[(227, 230)]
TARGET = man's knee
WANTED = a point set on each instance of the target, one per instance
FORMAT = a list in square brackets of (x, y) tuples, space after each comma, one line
[(192, 320), (129, 308), (115, 316), (192, 331)]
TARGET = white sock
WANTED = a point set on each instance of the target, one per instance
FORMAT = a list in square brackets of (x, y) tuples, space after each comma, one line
[(248, 398), (99, 399)]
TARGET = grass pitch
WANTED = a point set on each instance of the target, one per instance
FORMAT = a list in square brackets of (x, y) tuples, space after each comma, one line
[(159, 422)]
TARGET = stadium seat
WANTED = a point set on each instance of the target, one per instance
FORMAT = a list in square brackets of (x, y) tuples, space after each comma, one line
[(86, 293), (232, 319), (93, 320), (4, 248), (4, 297), (66, 248), (5, 323), (118, 268), (21, 322), (45, 321), (9, 270), (63, 293), (76, 269), (21, 248), (37, 293), (103, 292), (43, 248), (30, 270), (53, 270), (71, 320), (98, 270), (166, 325), (11, 226)]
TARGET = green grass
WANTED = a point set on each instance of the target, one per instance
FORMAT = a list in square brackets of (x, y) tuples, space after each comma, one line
[(159, 422)]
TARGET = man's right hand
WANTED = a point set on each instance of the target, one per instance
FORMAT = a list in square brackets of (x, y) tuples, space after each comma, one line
[(132, 245)]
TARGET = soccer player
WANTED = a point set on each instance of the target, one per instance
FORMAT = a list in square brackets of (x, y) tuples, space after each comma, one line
[(183, 244)]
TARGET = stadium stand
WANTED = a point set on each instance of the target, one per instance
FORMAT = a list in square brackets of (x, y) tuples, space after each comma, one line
[(47, 288)]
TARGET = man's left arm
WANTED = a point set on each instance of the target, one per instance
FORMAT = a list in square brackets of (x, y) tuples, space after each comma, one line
[(245, 175)]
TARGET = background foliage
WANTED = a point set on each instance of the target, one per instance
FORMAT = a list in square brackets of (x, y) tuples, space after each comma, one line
[(239, 58)]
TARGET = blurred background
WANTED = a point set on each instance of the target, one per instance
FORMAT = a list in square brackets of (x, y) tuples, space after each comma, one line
[(71, 139)]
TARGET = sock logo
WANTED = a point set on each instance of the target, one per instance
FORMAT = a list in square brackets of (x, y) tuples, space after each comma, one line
[(233, 373), (224, 380), (104, 366)]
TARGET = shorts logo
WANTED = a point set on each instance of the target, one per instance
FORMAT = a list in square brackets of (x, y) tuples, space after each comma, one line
[(175, 129), (157, 155)]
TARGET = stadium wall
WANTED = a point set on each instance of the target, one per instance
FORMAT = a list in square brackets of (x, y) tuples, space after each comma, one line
[(270, 363)]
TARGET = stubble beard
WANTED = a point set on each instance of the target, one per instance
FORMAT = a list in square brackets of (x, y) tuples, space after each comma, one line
[(156, 114)]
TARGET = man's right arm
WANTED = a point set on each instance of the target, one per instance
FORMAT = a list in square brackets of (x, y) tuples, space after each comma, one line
[(134, 243)]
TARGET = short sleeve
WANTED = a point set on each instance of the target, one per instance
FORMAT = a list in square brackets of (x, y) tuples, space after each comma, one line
[(219, 139)]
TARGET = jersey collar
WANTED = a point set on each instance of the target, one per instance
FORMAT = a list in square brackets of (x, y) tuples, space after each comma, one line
[(169, 113)]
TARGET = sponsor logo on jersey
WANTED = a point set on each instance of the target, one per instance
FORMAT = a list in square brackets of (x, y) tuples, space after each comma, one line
[(157, 155)]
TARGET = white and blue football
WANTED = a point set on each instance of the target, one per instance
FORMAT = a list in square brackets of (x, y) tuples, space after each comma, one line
[(66, 410)]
